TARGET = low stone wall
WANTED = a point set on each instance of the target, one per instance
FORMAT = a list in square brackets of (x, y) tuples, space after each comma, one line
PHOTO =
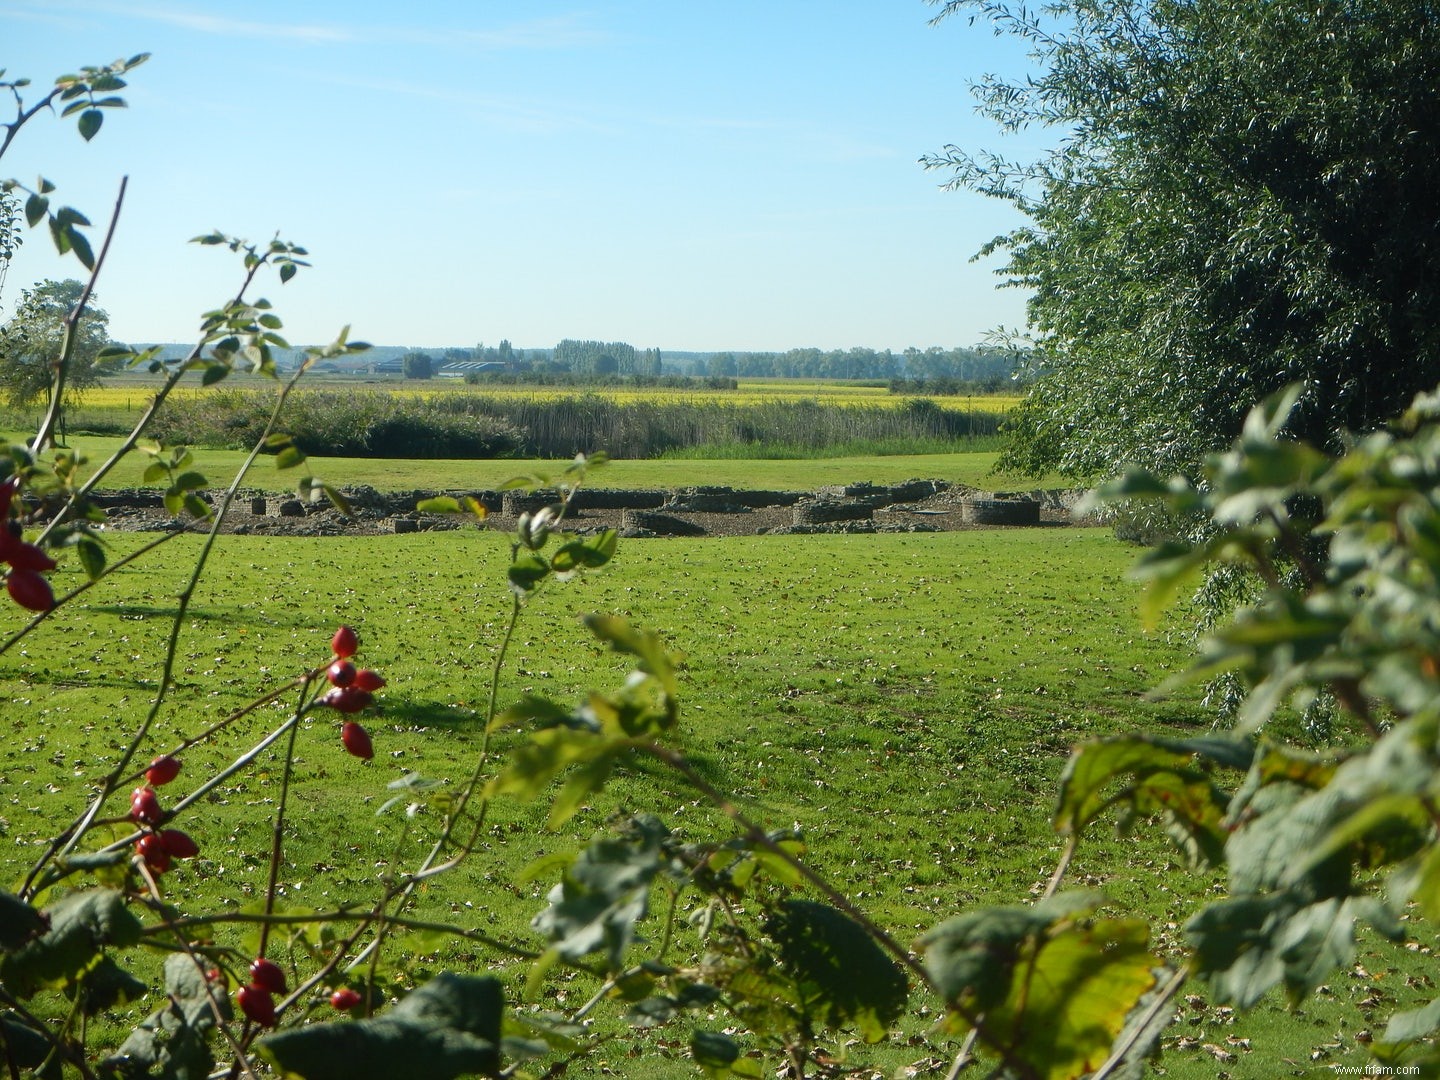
[(1000, 512), (650, 522), (819, 511)]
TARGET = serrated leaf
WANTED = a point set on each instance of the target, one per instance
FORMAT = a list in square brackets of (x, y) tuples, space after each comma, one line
[(1073, 997), (106, 986), (1151, 775), (603, 894), (972, 956)]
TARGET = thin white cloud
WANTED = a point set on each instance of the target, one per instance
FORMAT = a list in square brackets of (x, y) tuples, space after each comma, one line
[(555, 32)]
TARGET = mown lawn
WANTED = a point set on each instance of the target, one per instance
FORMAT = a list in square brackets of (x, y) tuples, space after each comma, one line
[(219, 466), (906, 700)]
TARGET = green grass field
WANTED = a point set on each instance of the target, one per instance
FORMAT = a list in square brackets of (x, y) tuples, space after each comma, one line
[(219, 466), (908, 700)]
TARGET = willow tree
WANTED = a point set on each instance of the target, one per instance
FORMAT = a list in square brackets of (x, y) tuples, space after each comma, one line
[(1244, 194)]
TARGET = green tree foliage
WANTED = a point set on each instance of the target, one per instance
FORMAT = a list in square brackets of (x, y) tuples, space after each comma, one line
[(9, 232), (417, 365), (32, 339), (1246, 194)]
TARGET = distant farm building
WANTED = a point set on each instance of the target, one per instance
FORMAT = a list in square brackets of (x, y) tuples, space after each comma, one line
[(460, 368)]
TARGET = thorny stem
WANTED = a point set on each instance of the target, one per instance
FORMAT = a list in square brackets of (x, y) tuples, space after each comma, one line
[(89, 584), (277, 839), (429, 866), (343, 915), (172, 645), (44, 436), (158, 902), (171, 381)]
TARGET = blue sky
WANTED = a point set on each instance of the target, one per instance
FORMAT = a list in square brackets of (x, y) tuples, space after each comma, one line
[(685, 175)]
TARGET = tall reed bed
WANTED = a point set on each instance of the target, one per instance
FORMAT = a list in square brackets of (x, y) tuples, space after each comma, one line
[(456, 425)]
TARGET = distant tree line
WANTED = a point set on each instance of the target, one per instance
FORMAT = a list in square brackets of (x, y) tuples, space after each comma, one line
[(971, 365), (965, 369)]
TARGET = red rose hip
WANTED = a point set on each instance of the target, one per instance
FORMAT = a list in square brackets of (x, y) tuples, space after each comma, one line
[(162, 770), (178, 845), (345, 999), (151, 850), (341, 673), (145, 806), (346, 699), (356, 740), (258, 1004), (344, 643), (267, 975), (368, 680), (28, 589)]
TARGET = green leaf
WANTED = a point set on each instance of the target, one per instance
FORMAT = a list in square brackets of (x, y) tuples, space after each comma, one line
[(972, 957), (106, 986), (172, 1043), (19, 922), (447, 1028), (1072, 997), (81, 247), (440, 504), (337, 499), (544, 756), (603, 894), (719, 1056), (27, 1048), (289, 457), (1250, 944), (843, 977), (527, 572), (155, 472), (287, 271), (81, 926), (35, 208), (89, 124), (581, 785), (589, 554), (1168, 777), (196, 507), (646, 646), (1414, 1024), (91, 554), (190, 481), (214, 373)]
